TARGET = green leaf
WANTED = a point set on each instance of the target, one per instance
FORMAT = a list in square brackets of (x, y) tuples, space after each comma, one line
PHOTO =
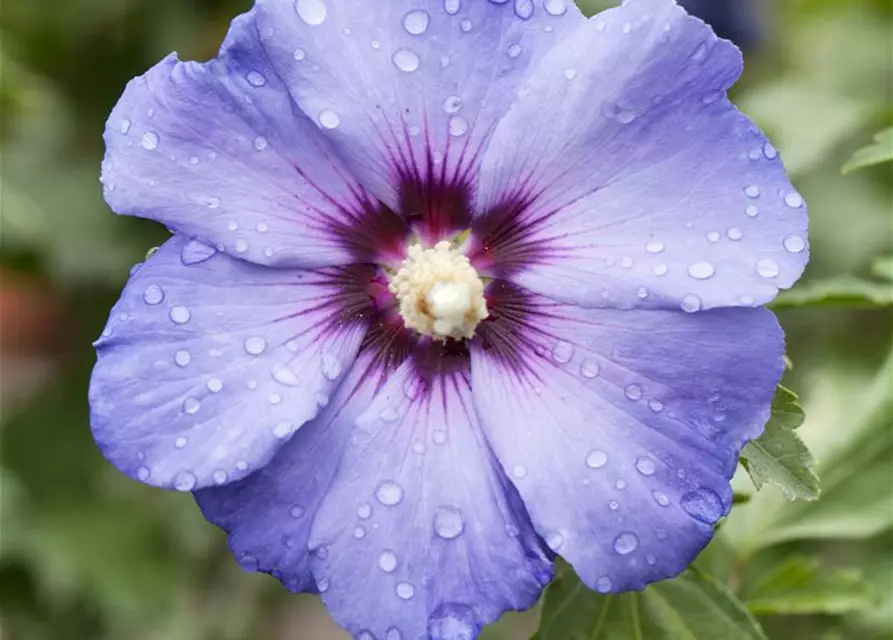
[(778, 456), (800, 586), (883, 268), (690, 607), (879, 152), (839, 291)]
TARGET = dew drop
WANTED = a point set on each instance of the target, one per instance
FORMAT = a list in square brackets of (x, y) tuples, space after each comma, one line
[(458, 126), (642, 293), (452, 621), (364, 511), (449, 522), (452, 6), (794, 244), (701, 270), (283, 430), (660, 269), (328, 119), (149, 141), (322, 585), (406, 60), (255, 79), (634, 392), (590, 369), (769, 151), (603, 584), (393, 633), (220, 477), (691, 303), (180, 443), (359, 532), (613, 505), (404, 590), (195, 252), (768, 268), (562, 352), (300, 54), (524, 9), (389, 493), (626, 543), (656, 406), (387, 561), (313, 12), (654, 247), (555, 7), (465, 25), (555, 541), (285, 376), (180, 315), (794, 200), (596, 459), (734, 233), (191, 406), (515, 50), (645, 466), (660, 498), (452, 104), (143, 473), (416, 22), (296, 512), (713, 236), (752, 211), (125, 126), (255, 345), (439, 436), (570, 74), (389, 414), (519, 471), (260, 143), (703, 505), (185, 481), (153, 295), (752, 191), (215, 385), (331, 367)]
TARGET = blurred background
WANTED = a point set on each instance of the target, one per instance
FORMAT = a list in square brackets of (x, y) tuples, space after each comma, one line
[(88, 554)]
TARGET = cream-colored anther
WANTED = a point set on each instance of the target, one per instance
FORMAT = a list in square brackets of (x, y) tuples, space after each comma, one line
[(440, 293)]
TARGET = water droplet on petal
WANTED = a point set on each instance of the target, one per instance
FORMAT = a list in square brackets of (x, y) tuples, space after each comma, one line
[(555, 541), (452, 104), (220, 477), (406, 60), (768, 268), (389, 493), (256, 79), (365, 635), (660, 269), (752, 211), (515, 50), (634, 392), (215, 385), (734, 233), (191, 405), (331, 367), (626, 543), (260, 143), (645, 466), (654, 247), (283, 430), (660, 498), (149, 141), (794, 244), (143, 473), (284, 375), (300, 54), (364, 511), (180, 315), (570, 74), (555, 7), (794, 200), (452, 6), (359, 532), (524, 9), (255, 345), (713, 236), (393, 633), (656, 406), (701, 270), (562, 352), (752, 191), (458, 126), (691, 303), (182, 358), (465, 25), (453, 621), (180, 443), (313, 12), (389, 414), (703, 505), (439, 436), (416, 22), (195, 252), (185, 481), (296, 512), (603, 584), (596, 459), (449, 522), (769, 151), (125, 126), (153, 295), (519, 471), (387, 561), (322, 585), (328, 119), (590, 369), (404, 590)]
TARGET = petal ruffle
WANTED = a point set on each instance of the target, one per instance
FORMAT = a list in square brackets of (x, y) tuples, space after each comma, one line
[(220, 152), (638, 183), (423, 518), (209, 364), (412, 89), (621, 429)]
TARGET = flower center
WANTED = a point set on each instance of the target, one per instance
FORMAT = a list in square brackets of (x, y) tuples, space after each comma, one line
[(440, 293)]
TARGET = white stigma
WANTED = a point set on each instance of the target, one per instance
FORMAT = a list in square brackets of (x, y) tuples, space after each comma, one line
[(440, 293)]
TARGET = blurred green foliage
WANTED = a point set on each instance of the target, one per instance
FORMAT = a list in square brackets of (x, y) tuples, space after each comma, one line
[(88, 554)]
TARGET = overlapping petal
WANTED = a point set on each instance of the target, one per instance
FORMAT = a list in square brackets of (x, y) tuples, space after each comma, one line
[(219, 151), (409, 87), (621, 429), (209, 364), (423, 518), (269, 514), (637, 178)]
